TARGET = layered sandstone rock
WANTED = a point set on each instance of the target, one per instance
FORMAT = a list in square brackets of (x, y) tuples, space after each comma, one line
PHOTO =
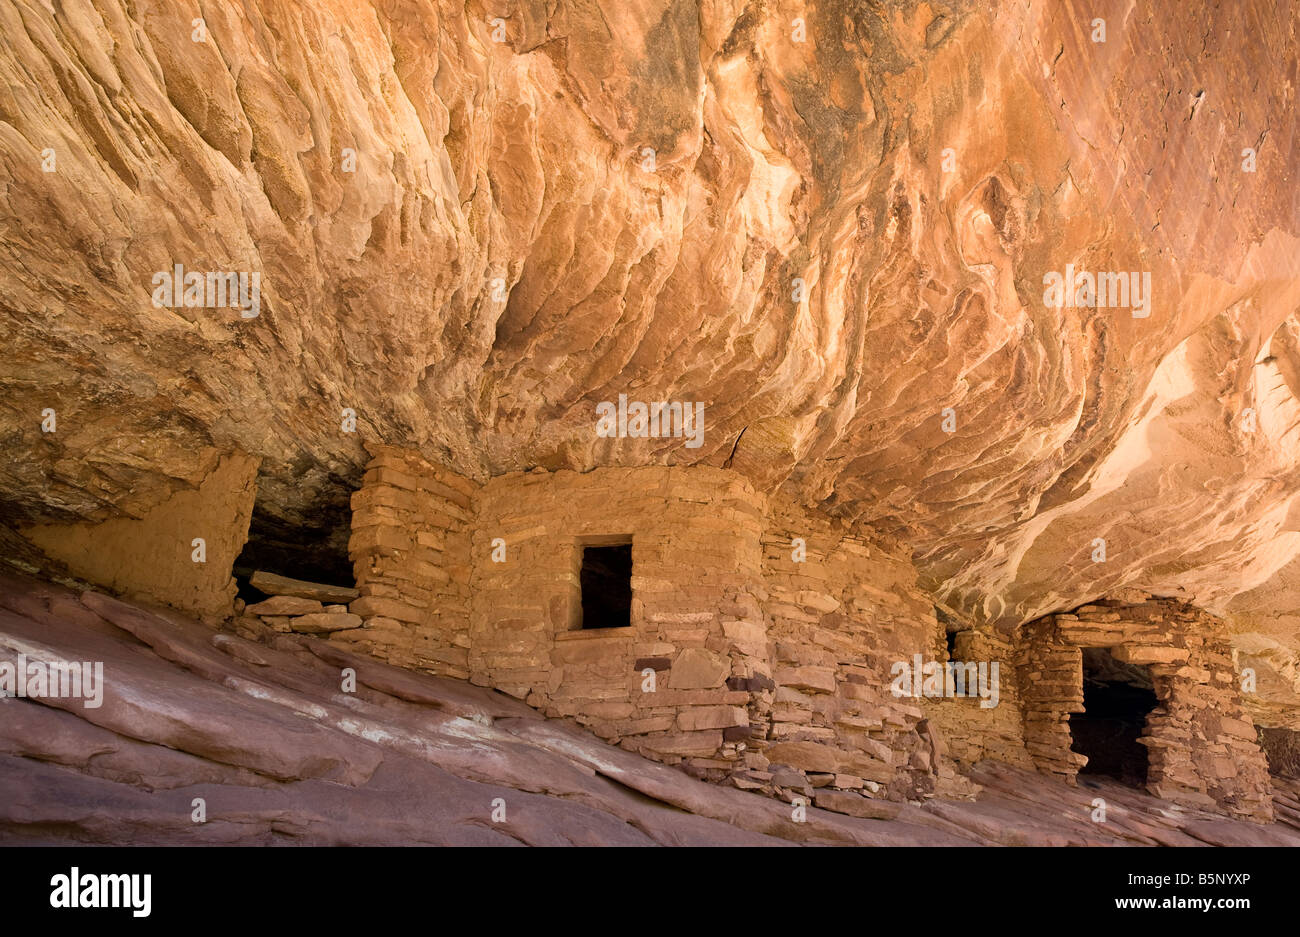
[(828, 224), (280, 748), (522, 161)]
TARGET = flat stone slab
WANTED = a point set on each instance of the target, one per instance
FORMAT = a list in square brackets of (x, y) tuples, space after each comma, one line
[(272, 584), (855, 805), (285, 605), (324, 622)]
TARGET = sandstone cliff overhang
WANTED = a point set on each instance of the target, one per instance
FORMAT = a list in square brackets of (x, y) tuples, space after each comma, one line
[(462, 243)]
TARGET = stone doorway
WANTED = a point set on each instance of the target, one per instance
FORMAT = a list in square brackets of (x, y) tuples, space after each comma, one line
[(1201, 745), (1117, 699), (315, 554)]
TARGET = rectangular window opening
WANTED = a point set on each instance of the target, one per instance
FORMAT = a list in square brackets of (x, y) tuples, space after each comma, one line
[(606, 582)]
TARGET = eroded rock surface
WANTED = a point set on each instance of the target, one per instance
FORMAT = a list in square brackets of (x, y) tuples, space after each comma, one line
[(504, 257), (278, 752)]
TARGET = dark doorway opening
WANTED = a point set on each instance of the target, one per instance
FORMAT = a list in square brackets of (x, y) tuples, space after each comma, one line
[(312, 545), (606, 582), (1117, 698)]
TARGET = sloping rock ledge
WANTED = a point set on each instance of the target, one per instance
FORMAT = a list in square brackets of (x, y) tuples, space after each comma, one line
[(278, 753)]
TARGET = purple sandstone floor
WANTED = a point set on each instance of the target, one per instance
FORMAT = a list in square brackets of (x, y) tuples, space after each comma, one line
[(280, 755)]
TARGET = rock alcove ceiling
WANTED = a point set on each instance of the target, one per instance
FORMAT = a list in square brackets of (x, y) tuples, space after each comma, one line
[(919, 166)]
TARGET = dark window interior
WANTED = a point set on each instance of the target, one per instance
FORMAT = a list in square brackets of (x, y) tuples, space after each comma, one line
[(1117, 697), (607, 586)]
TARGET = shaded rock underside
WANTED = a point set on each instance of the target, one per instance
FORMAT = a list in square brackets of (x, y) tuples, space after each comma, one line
[(501, 260)]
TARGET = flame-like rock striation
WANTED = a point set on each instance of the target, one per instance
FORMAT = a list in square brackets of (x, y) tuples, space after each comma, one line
[(474, 221)]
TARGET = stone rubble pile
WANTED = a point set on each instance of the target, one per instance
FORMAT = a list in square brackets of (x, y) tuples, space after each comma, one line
[(295, 605)]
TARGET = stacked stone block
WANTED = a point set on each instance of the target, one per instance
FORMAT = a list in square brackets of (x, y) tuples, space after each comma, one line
[(841, 610), (677, 684), (1051, 687), (410, 553), (284, 614), (972, 732), (1202, 748)]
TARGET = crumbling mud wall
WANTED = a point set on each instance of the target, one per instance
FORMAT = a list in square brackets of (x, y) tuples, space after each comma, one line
[(1202, 748), (179, 552)]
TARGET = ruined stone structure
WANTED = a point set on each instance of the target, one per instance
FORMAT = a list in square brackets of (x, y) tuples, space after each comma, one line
[(737, 656), (972, 733), (761, 638), (1202, 749), (473, 226), (759, 642)]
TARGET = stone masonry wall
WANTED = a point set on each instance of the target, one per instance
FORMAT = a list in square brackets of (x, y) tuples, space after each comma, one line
[(763, 638), (1202, 748), (841, 611), (1051, 687), (410, 553), (740, 661), (677, 684), (971, 732)]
